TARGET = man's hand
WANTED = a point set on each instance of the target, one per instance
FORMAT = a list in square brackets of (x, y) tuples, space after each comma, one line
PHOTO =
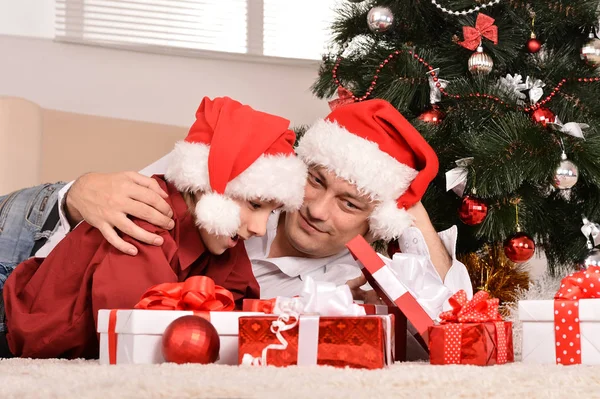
[(361, 295), (105, 200)]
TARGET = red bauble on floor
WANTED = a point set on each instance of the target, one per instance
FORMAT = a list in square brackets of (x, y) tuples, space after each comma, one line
[(472, 210), (191, 339), (519, 247)]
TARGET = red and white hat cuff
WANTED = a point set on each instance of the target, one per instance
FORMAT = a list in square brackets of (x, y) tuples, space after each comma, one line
[(279, 178), (362, 163)]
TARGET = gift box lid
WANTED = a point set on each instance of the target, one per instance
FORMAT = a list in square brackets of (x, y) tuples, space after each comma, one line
[(387, 284), (543, 310), (154, 322)]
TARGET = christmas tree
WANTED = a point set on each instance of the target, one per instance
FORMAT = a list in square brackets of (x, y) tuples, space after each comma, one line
[(508, 94)]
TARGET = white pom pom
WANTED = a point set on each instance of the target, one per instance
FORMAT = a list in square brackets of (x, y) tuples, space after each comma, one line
[(218, 214)]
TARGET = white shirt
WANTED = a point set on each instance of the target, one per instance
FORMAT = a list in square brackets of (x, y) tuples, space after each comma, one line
[(284, 276)]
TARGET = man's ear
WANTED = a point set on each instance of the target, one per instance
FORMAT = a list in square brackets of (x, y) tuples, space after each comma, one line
[(370, 237)]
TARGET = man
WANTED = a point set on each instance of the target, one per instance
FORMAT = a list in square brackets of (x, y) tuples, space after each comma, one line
[(368, 169)]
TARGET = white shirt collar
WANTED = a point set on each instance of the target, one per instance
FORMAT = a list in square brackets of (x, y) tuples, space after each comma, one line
[(258, 250)]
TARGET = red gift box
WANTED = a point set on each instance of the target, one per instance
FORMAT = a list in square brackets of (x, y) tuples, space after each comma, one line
[(386, 283), (472, 333), (343, 341), (474, 343)]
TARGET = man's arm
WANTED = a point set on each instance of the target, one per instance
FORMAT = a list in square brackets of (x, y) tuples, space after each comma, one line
[(437, 251), (106, 200)]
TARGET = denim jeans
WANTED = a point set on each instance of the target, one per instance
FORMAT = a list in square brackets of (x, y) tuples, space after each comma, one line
[(22, 216)]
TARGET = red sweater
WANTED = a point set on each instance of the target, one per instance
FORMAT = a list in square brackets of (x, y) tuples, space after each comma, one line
[(52, 304)]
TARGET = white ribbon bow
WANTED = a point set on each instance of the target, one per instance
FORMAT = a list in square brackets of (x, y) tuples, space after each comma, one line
[(418, 274), (456, 179), (572, 128), (435, 94), (591, 229), (536, 90), (317, 298)]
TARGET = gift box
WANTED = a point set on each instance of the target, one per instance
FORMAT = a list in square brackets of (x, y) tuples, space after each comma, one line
[(389, 287), (472, 333), (565, 330), (341, 341), (135, 336), (399, 327)]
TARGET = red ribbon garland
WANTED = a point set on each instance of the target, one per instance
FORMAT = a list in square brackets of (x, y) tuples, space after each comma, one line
[(584, 284), (484, 27), (480, 309), (198, 294)]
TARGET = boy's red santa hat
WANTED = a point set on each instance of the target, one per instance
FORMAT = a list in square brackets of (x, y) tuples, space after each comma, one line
[(371, 145), (233, 151)]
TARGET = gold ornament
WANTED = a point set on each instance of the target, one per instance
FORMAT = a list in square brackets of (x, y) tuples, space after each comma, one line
[(590, 52), (480, 63), (490, 270)]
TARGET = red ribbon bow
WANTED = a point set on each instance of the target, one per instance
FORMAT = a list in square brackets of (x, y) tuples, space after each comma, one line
[(584, 284), (344, 97), (198, 293), (480, 309), (484, 27)]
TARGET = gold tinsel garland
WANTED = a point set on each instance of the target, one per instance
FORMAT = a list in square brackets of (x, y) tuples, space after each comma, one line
[(490, 270)]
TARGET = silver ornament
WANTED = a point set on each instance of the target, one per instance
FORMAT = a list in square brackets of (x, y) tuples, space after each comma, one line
[(593, 259), (480, 63), (566, 174), (380, 19), (590, 52)]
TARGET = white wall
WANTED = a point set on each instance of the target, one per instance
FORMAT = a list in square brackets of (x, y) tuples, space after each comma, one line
[(137, 86), (33, 18)]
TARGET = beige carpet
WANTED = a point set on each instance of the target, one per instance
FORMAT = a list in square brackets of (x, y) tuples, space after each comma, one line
[(20, 378)]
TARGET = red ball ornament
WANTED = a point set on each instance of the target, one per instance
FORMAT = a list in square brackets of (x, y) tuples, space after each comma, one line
[(519, 247), (533, 45), (191, 339), (434, 115), (543, 115), (472, 210)]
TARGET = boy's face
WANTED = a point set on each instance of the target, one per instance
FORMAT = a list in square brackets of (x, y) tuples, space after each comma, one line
[(332, 214), (253, 217)]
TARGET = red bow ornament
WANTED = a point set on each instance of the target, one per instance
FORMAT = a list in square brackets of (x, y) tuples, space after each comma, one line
[(484, 27), (480, 309), (344, 97), (198, 293), (584, 284)]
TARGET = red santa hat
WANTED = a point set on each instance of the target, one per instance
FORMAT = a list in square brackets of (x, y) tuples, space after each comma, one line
[(234, 151), (371, 145)]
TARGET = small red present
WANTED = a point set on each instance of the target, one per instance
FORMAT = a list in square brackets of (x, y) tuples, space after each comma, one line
[(340, 341), (471, 333)]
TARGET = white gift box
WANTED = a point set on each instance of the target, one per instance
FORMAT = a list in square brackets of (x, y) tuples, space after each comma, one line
[(139, 334), (539, 345)]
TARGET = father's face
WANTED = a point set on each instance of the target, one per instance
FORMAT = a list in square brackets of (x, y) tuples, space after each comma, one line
[(333, 213)]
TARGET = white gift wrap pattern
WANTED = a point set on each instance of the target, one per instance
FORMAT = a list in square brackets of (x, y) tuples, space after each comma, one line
[(139, 334), (539, 344)]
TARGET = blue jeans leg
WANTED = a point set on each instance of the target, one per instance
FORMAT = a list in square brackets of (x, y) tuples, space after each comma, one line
[(22, 216)]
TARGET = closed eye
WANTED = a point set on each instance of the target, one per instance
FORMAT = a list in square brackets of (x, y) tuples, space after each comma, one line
[(254, 205)]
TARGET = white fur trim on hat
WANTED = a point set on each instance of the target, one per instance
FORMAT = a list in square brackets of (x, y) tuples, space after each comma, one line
[(362, 163), (388, 222), (271, 177), (218, 214)]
